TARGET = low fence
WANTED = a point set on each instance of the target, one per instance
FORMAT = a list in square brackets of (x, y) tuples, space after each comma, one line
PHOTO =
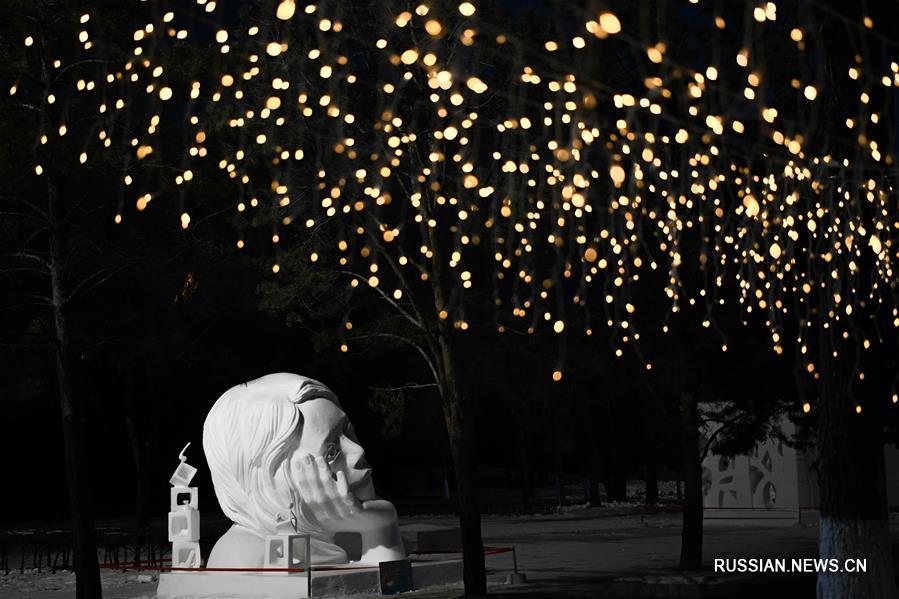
[(52, 550)]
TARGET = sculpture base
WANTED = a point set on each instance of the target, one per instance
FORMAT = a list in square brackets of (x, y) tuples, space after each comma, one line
[(275, 585)]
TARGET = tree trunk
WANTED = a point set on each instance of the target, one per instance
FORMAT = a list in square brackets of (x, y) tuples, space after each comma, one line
[(138, 453), (87, 570), (691, 533), (594, 455), (447, 496), (557, 463), (460, 427), (854, 514), (650, 472), (614, 479), (594, 498), (524, 458), (851, 475), (527, 491), (560, 487)]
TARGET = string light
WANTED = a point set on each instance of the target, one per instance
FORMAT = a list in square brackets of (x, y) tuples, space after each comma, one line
[(608, 177)]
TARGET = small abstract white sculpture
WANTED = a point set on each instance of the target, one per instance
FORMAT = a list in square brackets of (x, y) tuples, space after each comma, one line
[(285, 462), (184, 516)]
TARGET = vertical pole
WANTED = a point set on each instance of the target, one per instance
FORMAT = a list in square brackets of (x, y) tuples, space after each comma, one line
[(514, 560)]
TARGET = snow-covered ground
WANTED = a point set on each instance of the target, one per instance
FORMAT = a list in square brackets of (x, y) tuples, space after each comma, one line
[(579, 543), (34, 585)]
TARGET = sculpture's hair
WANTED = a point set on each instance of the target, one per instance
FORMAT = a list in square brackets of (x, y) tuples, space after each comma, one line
[(248, 437)]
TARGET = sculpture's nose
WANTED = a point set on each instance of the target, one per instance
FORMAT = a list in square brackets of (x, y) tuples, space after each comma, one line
[(355, 455)]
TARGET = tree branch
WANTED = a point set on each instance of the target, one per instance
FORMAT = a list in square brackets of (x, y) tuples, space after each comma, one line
[(725, 424), (408, 386), (29, 256), (393, 266), (76, 64), (407, 341), (27, 204), (388, 299), (92, 281)]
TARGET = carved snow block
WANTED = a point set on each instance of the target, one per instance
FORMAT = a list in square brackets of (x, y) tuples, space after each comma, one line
[(185, 554), (286, 551), (184, 525), (182, 497), (184, 473)]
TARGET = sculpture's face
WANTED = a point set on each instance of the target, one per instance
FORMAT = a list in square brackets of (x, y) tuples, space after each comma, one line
[(327, 432)]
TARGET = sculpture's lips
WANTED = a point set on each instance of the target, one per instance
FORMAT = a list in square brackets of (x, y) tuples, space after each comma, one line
[(363, 480)]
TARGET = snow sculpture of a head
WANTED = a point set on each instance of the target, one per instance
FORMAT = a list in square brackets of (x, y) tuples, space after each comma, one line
[(255, 438)]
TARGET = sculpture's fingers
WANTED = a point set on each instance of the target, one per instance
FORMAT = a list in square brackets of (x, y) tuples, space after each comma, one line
[(315, 496), (303, 470), (337, 489), (326, 478), (324, 471), (342, 487), (328, 486), (347, 499)]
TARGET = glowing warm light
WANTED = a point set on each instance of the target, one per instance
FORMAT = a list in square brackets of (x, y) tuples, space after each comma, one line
[(751, 205), (476, 85), (609, 23), (689, 144), (286, 10), (409, 56), (467, 9)]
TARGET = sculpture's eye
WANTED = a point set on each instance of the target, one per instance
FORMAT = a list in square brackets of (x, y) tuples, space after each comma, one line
[(332, 452)]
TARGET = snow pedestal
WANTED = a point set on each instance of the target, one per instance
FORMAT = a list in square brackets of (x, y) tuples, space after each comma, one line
[(429, 538), (334, 582)]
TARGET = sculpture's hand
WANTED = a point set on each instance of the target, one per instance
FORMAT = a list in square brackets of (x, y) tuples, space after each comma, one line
[(327, 496)]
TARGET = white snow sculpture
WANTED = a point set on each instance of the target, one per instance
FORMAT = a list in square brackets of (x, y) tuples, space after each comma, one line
[(184, 516), (285, 462)]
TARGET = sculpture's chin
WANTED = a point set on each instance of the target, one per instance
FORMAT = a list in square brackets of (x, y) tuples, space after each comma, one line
[(365, 490)]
